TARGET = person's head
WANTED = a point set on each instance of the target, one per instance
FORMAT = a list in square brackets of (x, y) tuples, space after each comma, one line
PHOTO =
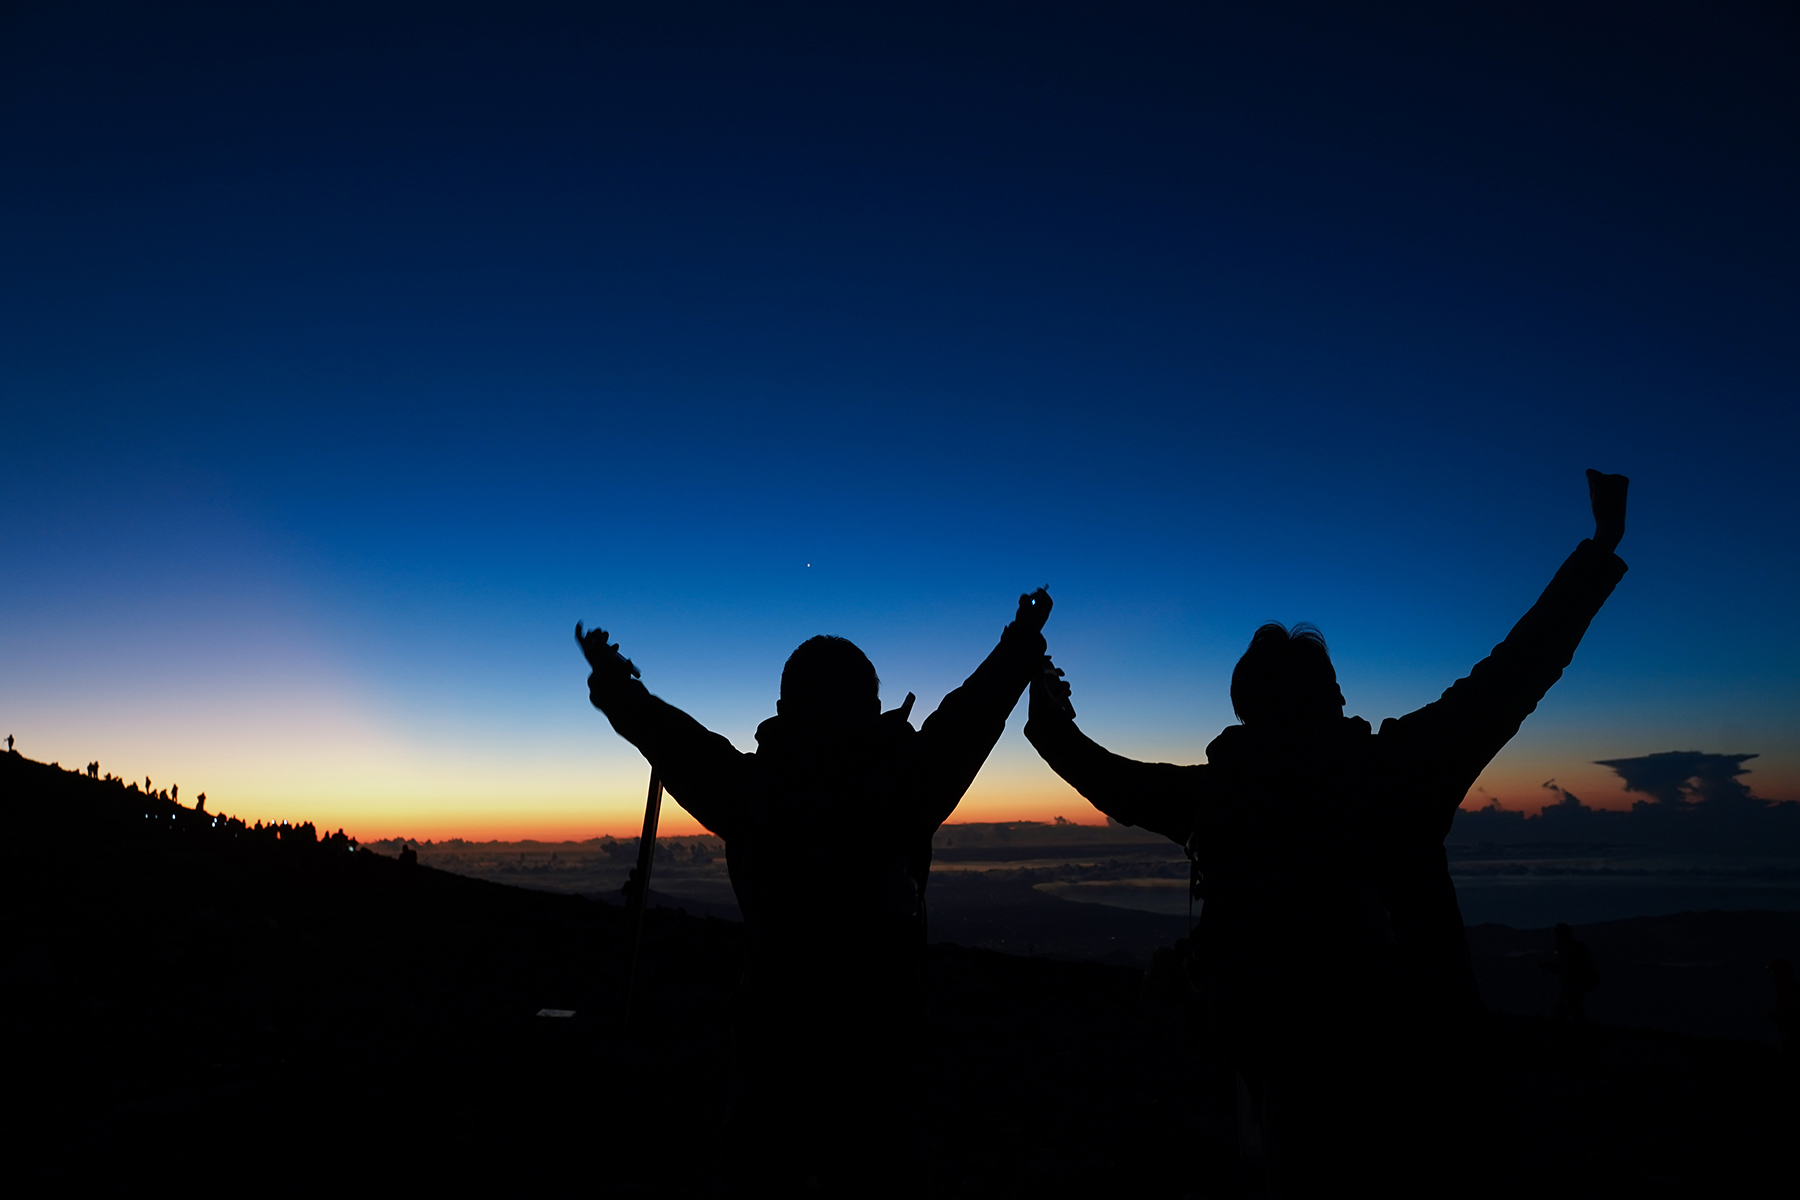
[(1285, 677), (829, 681)]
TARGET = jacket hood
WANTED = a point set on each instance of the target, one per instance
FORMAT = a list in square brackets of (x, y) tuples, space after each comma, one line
[(785, 734), (1241, 745), (834, 746)]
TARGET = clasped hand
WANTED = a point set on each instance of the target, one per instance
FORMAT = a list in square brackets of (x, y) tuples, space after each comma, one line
[(1050, 694), (1034, 610), (603, 656)]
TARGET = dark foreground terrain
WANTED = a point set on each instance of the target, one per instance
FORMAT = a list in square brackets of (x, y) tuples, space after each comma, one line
[(198, 1009)]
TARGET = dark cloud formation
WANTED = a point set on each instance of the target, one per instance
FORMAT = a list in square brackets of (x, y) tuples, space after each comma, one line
[(1565, 797), (1676, 777)]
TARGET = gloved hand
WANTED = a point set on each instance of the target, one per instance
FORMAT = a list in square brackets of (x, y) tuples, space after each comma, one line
[(1050, 695), (1607, 495), (1034, 610), (1023, 639), (610, 668)]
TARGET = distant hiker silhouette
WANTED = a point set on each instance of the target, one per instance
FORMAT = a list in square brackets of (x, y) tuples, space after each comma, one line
[(408, 856), (1573, 967), (1319, 844), (9, 743), (827, 829)]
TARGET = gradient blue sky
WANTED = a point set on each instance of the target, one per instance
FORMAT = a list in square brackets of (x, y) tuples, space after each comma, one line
[(349, 353)]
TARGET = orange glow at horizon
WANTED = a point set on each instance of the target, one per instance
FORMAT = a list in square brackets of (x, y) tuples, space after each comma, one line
[(339, 767), (425, 809), (619, 818)]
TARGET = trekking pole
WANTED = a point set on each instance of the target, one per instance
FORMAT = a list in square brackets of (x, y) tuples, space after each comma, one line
[(640, 892)]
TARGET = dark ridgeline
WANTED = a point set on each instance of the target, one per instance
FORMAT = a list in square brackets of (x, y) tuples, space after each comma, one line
[(1330, 960), (116, 811), (827, 828), (211, 1007)]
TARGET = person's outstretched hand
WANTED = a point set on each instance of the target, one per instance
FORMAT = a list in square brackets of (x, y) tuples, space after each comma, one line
[(1607, 494), (1050, 695), (603, 656), (1034, 610)]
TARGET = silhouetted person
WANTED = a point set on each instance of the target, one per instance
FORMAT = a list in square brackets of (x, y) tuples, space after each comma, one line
[(9, 743), (1573, 967), (408, 856), (1786, 1013), (200, 803), (1320, 843), (827, 828)]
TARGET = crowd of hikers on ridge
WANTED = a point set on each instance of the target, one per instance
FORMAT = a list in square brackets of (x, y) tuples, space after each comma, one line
[(1329, 966), (164, 809)]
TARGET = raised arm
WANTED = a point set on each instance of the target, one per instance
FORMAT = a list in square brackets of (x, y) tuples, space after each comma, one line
[(1161, 797), (956, 739), (1458, 734), (703, 771)]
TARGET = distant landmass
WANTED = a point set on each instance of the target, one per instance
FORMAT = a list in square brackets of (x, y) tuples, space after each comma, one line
[(1113, 893)]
